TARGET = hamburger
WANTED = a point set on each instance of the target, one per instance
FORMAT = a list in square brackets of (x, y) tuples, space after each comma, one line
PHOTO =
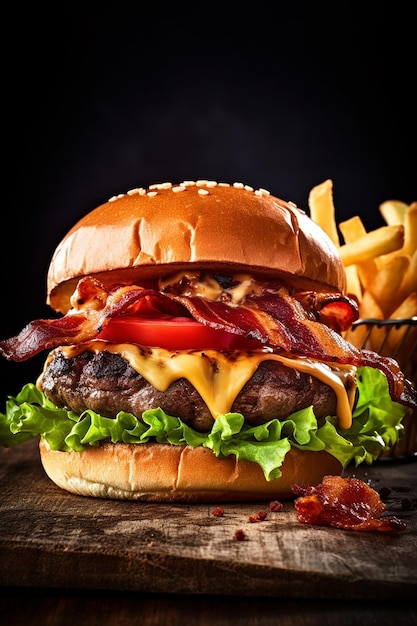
[(197, 353)]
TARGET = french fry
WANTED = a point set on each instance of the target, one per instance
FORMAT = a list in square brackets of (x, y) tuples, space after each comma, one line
[(393, 211), (322, 210), (369, 309), (402, 339), (410, 229), (409, 281), (353, 282), (375, 243), (407, 308), (387, 289), (352, 230)]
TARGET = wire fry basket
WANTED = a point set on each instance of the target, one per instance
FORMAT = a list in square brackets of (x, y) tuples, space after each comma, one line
[(396, 338)]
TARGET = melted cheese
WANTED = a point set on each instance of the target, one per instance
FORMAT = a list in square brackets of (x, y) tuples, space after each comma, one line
[(219, 377), (206, 286)]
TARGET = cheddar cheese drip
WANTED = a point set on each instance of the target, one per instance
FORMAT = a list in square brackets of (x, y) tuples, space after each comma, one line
[(219, 378)]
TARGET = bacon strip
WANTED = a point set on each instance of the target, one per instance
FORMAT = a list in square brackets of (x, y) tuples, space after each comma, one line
[(77, 327), (43, 335), (238, 320), (346, 503), (278, 321), (281, 322)]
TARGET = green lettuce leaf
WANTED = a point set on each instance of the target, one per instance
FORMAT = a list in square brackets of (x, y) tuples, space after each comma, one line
[(376, 426)]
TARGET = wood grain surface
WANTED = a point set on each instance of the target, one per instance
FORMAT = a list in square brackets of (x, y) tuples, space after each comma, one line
[(52, 539)]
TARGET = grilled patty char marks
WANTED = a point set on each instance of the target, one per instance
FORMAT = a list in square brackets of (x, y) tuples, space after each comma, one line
[(107, 384)]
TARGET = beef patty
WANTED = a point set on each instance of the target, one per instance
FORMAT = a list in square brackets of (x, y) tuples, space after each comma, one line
[(107, 384)]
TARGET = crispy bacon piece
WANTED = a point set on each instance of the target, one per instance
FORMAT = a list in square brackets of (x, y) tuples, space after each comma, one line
[(43, 335), (335, 310), (78, 326), (346, 503)]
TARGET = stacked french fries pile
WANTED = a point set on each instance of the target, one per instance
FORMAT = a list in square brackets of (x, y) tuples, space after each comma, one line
[(381, 273)]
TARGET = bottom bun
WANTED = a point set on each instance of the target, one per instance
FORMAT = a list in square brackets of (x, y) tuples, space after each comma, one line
[(167, 473)]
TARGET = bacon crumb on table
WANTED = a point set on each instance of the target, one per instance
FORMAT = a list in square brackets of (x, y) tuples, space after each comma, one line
[(260, 516), (346, 503), (218, 511), (275, 506), (239, 535)]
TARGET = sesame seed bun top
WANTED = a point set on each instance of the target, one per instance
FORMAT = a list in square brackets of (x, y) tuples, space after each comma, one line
[(154, 232)]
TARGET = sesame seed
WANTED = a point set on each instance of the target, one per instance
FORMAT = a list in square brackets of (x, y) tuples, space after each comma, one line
[(188, 183), (132, 192), (120, 195), (142, 191), (161, 186), (203, 192), (179, 188), (201, 183), (224, 184), (238, 185), (262, 192), (152, 194), (113, 198), (248, 188), (291, 203)]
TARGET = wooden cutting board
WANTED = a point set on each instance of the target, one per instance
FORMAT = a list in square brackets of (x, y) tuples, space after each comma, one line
[(50, 538)]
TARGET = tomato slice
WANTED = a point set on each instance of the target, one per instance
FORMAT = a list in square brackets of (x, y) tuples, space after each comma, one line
[(175, 333)]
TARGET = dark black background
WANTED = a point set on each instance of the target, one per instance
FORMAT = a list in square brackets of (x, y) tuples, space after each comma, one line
[(102, 97)]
